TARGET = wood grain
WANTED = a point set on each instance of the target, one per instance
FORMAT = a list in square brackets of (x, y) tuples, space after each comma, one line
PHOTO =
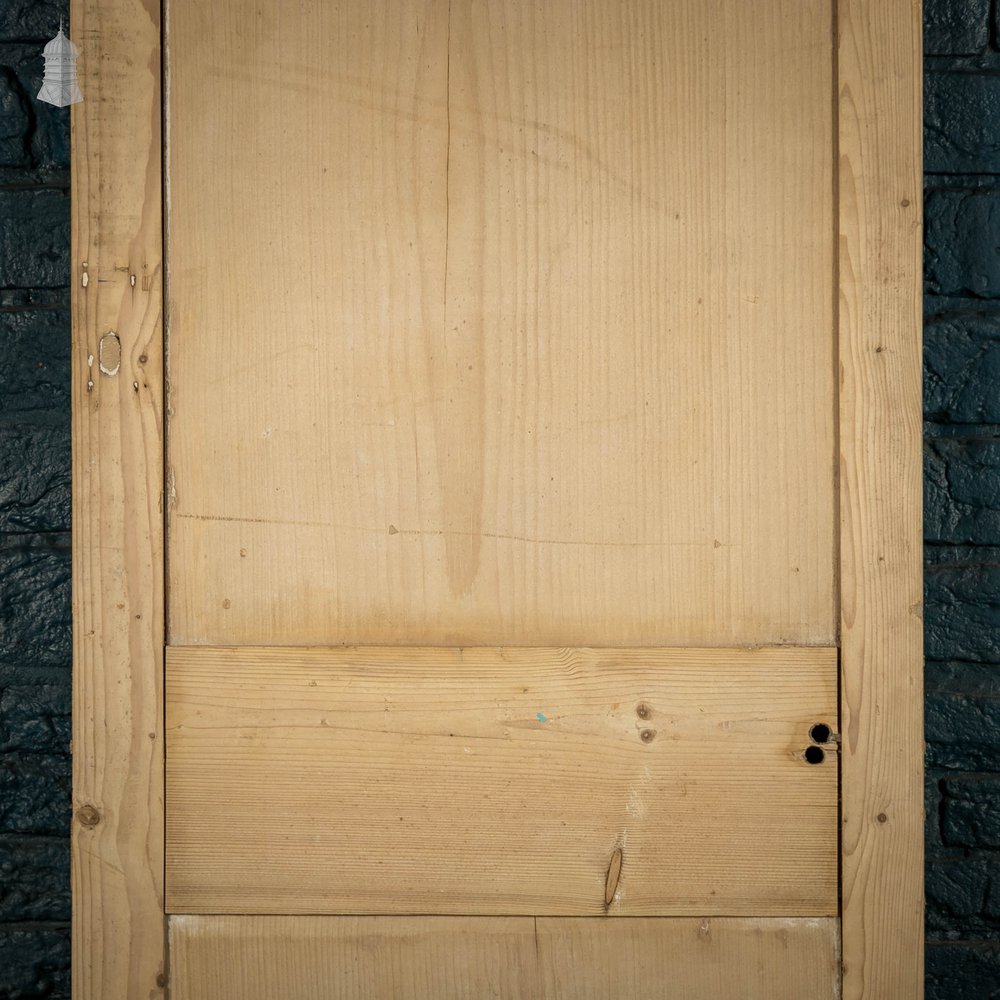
[(530, 342), (880, 198), (703, 959), (351, 958), (517, 781), (117, 832), (515, 958)]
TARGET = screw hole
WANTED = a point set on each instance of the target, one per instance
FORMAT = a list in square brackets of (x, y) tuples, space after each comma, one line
[(815, 755), (820, 733)]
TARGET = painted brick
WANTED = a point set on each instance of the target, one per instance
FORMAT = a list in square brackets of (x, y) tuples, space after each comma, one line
[(956, 27), (933, 843), (970, 813), (15, 121), (34, 298), (35, 362), (36, 148), (35, 477), (35, 600), (35, 718), (962, 716), (963, 732), (963, 970), (34, 235), (34, 880), (961, 248), (961, 123), (38, 20), (962, 611), (962, 491), (35, 794), (962, 370), (957, 890), (35, 964)]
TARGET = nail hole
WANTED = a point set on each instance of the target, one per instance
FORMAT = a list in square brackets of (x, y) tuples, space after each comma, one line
[(815, 755), (820, 733)]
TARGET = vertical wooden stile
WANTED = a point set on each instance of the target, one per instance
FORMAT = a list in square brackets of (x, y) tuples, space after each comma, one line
[(880, 211), (117, 827)]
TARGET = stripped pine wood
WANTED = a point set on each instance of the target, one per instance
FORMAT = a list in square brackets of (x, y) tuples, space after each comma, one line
[(879, 73), (118, 927), (703, 959), (500, 781), (514, 958), (352, 958), (529, 340)]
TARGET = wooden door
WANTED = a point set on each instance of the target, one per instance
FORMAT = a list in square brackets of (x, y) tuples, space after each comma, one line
[(519, 536)]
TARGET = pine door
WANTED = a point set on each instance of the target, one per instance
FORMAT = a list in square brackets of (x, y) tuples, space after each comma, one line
[(503, 500)]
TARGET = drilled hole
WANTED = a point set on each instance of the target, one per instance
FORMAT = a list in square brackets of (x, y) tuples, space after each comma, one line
[(815, 755), (820, 733)]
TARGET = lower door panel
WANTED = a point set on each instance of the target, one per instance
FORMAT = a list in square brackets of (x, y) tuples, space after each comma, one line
[(515, 958), (502, 782)]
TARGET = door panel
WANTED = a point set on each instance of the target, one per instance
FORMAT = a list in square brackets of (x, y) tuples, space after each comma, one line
[(501, 349), (541, 781), (501, 323), (455, 958)]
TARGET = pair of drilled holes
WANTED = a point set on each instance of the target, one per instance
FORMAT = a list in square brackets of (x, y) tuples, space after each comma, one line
[(820, 733)]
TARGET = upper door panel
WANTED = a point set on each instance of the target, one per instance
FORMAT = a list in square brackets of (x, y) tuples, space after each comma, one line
[(501, 323)]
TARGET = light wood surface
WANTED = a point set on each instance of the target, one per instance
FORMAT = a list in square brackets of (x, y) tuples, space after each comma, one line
[(701, 959), (508, 483), (880, 189), (515, 958), (352, 958), (512, 325), (118, 927), (493, 781)]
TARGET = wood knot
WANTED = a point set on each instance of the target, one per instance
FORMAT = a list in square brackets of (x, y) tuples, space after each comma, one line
[(647, 735), (88, 816), (643, 710)]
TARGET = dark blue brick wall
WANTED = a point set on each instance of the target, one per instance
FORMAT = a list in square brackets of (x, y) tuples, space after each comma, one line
[(962, 495), (34, 515), (962, 411)]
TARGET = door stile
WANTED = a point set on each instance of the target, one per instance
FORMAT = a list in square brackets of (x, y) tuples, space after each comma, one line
[(881, 632), (118, 929)]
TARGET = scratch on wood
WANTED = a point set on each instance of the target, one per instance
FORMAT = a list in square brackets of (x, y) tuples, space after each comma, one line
[(393, 530), (613, 877), (532, 540)]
